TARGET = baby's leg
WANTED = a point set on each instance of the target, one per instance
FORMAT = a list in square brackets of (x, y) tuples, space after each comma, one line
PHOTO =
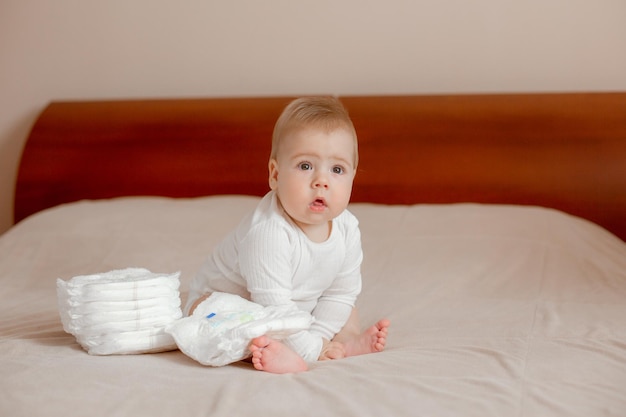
[(332, 350), (355, 342), (273, 356), (372, 340)]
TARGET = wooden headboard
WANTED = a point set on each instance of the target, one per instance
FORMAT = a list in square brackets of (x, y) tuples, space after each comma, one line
[(565, 151)]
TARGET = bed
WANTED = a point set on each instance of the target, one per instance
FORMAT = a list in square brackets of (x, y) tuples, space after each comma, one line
[(493, 231)]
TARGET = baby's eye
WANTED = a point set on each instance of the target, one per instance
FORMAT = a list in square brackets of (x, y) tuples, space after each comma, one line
[(304, 166), (338, 169)]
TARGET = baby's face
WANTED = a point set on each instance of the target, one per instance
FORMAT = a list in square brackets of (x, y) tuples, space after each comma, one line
[(312, 176)]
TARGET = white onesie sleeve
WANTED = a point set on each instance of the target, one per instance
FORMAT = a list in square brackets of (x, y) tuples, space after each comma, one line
[(266, 261), (337, 301)]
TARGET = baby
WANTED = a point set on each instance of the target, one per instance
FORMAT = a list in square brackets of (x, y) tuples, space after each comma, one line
[(301, 246)]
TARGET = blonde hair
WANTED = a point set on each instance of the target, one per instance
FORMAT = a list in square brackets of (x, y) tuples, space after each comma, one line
[(325, 113)]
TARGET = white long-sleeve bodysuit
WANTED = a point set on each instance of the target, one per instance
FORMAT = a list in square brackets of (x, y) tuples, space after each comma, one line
[(269, 260)]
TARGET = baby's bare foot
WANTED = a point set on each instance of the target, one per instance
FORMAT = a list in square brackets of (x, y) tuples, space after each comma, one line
[(272, 356), (371, 340)]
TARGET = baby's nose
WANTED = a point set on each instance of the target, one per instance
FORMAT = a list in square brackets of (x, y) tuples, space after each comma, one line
[(320, 182)]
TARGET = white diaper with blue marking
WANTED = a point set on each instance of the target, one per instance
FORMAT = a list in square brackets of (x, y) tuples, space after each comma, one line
[(221, 328)]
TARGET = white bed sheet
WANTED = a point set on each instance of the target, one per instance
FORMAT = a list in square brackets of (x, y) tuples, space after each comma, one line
[(495, 310)]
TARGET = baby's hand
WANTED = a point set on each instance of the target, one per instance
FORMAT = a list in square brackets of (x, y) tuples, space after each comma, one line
[(332, 350)]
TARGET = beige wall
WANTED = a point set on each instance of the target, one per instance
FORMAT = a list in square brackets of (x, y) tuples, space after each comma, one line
[(82, 49)]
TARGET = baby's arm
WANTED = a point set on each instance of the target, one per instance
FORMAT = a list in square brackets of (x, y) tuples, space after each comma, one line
[(334, 308), (335, 314)]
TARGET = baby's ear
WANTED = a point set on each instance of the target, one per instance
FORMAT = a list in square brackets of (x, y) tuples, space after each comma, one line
[(273, 171)]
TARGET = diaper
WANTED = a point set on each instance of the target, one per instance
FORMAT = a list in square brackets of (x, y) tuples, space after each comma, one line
[(221, 328), (120, 312)]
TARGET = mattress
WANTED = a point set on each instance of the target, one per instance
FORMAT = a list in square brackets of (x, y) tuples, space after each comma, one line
[(495, 310)]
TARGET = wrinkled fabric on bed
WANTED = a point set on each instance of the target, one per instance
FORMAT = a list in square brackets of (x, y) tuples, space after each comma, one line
[(495, 311)]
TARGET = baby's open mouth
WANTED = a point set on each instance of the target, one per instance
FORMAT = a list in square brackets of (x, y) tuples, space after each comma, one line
[(318, 202)]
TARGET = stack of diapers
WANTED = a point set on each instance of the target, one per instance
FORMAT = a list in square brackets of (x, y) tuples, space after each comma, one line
[(120, 312), (221, 328)]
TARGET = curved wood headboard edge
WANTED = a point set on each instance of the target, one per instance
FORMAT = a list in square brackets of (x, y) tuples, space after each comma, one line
[(565, 151)]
